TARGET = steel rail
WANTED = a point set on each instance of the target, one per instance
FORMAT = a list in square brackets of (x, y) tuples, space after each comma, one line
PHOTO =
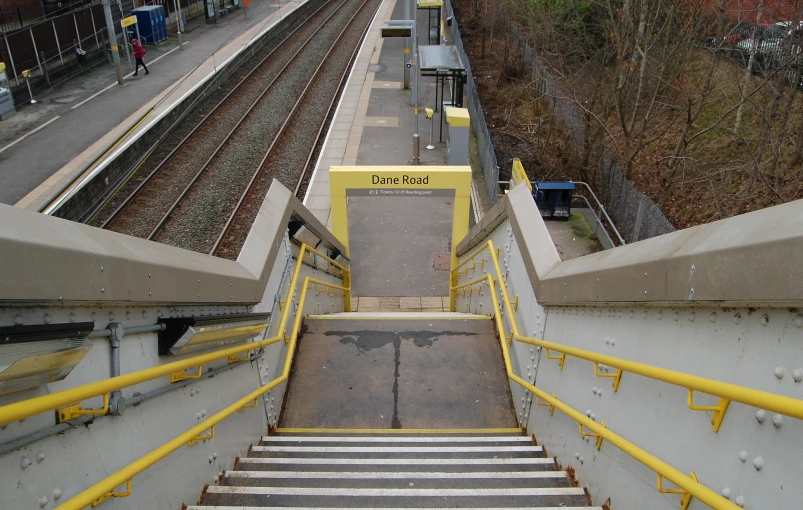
[(337, 93), (192, 132), (687, 483), (215, 154), (250, 110), (33, 406), (787, 406), (255, 176)]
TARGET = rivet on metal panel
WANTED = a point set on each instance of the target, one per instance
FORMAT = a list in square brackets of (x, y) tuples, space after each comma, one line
[(541, 403), (743, 456), (660, 315), (737, 318), (102, 290), (718, 410), (713, 317), (758, 463), (25, 463), (685, 497), (777, 420), (799, 320), (101, 269), (797, 375), (779, 372), (632, 314), (726, 493), (764, 319), (740, 501), (676, 316), (644, 314), (591, 434), (57, 493), (43, 501), (113, 495), (692, 317), (761, 415), (40, 457)]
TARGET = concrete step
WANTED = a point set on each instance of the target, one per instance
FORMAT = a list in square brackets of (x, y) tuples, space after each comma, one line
[(397, 479), (406, 441), (227, 507), (396, 465), (532, 497), (398, 452)]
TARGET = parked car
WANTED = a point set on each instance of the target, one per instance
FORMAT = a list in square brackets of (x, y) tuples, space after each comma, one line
[(773, 42)]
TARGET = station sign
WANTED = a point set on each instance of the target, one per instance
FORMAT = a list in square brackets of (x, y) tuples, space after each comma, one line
[(397, 31), (127, 22)]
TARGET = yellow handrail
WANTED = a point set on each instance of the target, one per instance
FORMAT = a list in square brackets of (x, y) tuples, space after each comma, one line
[(130, 471), (763, 400), (689, 485), (31, 407)]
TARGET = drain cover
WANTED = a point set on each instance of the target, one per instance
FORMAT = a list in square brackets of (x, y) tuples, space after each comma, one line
[(442, 261)]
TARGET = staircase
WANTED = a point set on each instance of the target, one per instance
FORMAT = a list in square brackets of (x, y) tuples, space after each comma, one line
[(394, 471)]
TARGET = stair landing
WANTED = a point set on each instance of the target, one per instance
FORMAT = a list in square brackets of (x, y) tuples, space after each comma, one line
[(380, 373)]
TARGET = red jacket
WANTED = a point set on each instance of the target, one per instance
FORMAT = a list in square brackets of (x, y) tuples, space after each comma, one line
[(139, 51)]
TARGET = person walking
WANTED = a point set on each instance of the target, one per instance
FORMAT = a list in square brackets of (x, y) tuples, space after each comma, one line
[(139, 54)]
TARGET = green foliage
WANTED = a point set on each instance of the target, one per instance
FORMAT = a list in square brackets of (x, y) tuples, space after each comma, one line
[(579, 20)]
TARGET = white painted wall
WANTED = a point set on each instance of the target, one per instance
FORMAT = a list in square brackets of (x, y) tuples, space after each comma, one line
[(745, 346)]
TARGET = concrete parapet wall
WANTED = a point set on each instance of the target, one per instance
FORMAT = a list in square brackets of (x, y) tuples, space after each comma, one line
[(56, 272), (77, 206), (742, 325)]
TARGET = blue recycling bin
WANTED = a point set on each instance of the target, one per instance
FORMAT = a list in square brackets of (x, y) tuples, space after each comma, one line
[(151, 21)]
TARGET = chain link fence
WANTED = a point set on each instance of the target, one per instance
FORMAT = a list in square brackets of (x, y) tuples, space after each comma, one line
[(490, 167)]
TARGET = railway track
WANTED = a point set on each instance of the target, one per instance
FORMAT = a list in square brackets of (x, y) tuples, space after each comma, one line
[(204, 206)]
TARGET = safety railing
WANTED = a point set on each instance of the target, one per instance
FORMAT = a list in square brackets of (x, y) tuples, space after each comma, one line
[(727, 392), (70, 397), (105, 488)]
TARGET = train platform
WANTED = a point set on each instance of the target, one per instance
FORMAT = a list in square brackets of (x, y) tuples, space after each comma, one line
[(45, 146), (374, 125)]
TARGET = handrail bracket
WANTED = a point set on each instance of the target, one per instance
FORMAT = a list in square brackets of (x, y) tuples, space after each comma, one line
[(685, 497), (591, 434), (551, 407), (182, 376), (74, 411), (718, 410), (199, 438), (562, 358), (617, 376), (113, 494)]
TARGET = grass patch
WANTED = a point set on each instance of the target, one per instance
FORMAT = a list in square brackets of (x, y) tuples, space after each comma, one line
[(580, 227)]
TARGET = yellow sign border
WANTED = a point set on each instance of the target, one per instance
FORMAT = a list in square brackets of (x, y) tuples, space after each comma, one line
[(344, 178), (128, 21)]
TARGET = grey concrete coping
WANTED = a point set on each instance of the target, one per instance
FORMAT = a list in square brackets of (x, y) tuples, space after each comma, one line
[(47, 259), (755, 258)]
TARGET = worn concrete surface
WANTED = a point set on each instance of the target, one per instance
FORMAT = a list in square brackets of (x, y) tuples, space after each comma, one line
[(36, 158), (398, 374), (393, 244)]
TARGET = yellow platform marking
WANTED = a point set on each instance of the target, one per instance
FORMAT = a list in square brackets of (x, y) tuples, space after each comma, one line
[(400, 316), (292, 430)]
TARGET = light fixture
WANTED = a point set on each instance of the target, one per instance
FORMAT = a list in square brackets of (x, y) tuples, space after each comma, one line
[(189, 334), (31, 356)]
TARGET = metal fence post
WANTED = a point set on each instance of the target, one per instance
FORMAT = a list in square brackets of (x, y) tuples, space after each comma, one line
[(44, 67), (77, 33), (639, 216), (11, 59), (58, 46), (94, 30), (36, 52)]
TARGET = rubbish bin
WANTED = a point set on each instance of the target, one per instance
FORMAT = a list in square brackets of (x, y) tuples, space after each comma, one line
[(80, 55)]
